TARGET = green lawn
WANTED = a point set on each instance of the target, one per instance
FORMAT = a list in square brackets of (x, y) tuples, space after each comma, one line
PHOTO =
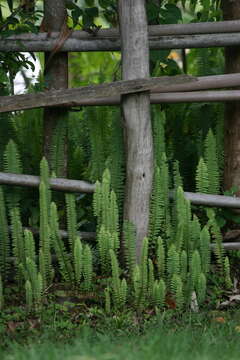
[(195, 340)]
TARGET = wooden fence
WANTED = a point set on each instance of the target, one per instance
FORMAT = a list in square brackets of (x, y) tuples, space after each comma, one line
[(134, 93)]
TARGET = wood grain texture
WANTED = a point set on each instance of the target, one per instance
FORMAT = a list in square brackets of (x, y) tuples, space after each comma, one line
[(136, 117), (231, 11), (55, 77), (73, 96)]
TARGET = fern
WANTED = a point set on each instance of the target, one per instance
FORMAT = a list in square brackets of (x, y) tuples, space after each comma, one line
[(130, 246), (212, 163), (202, 179), (66, 268), (18, 240), (150, 279), (12, 164), (29, 245), (1, 294), (227, 277), (78, 260), (71, 220), (29, 295), (58, 146), (123, 290), (177, 290), (87, 268), (44, 233), (173, 262), (195, 268), (158, 125), (161, 263), (201, 288), (116, 284), (183, 265), (159, 293), (4, 238), (205, 249), (217, 237), (107, 301), (144, 273)]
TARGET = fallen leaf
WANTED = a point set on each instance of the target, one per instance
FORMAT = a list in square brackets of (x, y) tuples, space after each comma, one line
[(219, 319)]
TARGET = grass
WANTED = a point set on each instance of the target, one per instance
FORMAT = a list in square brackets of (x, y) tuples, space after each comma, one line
[(198, 337)]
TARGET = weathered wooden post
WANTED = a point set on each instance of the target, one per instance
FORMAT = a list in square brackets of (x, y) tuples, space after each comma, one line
[(56, 76), (136, 116), (231, 11)]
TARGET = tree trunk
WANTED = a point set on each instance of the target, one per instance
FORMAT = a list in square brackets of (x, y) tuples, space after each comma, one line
[(136, 117), (231, 11), (56, 77)]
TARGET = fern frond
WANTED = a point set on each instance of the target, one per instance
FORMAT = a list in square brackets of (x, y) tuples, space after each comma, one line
[(71, 219), (150, 279), (107, 301), (227, 277), (116, 284), (201, 288), (202, 179), (205, 251), (130, 245), (78, 260), (1, 294), (161, 263), (195, 268), (66, 268), (29, 295), (4, 238), (212, 163), (87, 268)]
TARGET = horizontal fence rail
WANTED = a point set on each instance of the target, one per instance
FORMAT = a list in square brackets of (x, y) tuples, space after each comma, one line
[(74, 96), (161, 98), (93, 45), (109, 93), (69, 185), (175, 36), (58, 184)]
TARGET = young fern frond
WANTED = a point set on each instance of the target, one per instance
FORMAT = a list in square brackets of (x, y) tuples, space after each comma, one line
[(12, 164), (78, 260), (136, 280), (159, 293), (1, 293), (205, 250), (158, 125), (29, 295), (87, 268), (144, 273), (161, 262), (107, 301), (212, 163), (195, 230), (113, 213), (124, 290), (130, 246), (150, 279), (45, 231), (45, 176), (59, 145), (183, 265), (65, 265), (29, 245), (202, 179), (195, 269), (227, 277), (116, 283), (97, 200), (173, 262), (4, 238), (201, 288), (71, 219), (217, 237), (17, 238)]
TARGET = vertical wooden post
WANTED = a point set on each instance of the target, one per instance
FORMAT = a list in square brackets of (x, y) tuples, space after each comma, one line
[(136, 116), (56, 76), (231, 11)]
